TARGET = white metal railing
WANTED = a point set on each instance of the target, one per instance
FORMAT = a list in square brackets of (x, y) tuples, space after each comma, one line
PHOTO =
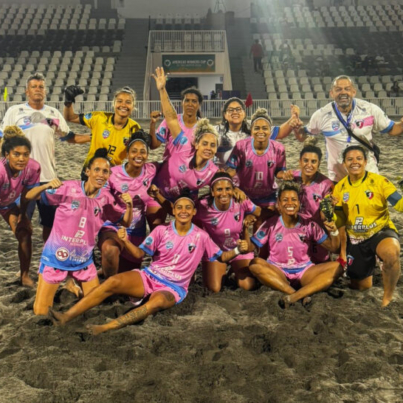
[(187, 41), (279, 109)]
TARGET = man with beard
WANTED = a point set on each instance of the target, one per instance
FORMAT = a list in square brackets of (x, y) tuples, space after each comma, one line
[(344, 119)]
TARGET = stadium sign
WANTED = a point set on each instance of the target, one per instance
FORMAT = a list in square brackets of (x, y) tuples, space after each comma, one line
[(189, 63)]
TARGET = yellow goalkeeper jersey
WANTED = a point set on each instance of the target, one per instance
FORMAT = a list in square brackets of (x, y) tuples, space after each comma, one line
[(363, 205), (105, 135)]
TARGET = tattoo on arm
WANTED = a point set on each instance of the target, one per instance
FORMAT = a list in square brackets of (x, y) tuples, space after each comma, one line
[(134, 316)]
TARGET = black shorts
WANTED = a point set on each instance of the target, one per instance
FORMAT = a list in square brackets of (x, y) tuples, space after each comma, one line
[(46, 213), (361, 257)]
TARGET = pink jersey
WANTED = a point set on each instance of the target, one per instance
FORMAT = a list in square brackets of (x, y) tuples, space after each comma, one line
[(12, 187), (176, 257), (77, 223), (182, 143), (120, 182), (257, 173), (224, 227), (178, 173), (289, 246)]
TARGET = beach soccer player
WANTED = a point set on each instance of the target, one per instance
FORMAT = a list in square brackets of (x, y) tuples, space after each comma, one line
[(176, 249), (82, 209)]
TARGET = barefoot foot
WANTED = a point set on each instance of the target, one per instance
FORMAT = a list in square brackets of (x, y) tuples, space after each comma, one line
[(306, 301), (95, 329), (26, 281), (285, 302), (73, 287), (56, 317)]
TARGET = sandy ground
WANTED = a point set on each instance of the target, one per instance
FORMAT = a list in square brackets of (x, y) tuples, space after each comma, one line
[(235, 346)]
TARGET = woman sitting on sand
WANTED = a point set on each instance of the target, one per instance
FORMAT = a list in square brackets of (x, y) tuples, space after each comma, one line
[(83, 207), (176, 249), (362, 206), (314, 188), (18, 174), (289, 268), (135, 178)]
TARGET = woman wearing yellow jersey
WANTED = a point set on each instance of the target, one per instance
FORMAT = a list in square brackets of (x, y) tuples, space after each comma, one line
[(108, 130), (362, 207)]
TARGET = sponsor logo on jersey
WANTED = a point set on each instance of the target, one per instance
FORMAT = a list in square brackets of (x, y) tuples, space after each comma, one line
[(62, 254), (270, 163), (183, 140), (125, 187), (279, 237), (369, 194), (237, 216), (149, 240), (346, 197), (214, 221), (169, 245), (97, 210), (191, 247), (75, 204), (106, 134), (248, 163), (335, 125), (182, 168)]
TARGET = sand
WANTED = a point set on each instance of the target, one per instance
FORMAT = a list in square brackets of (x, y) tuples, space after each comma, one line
[(235, 346)]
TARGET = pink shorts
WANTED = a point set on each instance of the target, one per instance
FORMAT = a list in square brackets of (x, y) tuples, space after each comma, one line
[(152, 285), (295, 274), (56, 276)]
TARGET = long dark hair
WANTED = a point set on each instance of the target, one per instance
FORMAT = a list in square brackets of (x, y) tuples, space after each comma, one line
[(245, 127)]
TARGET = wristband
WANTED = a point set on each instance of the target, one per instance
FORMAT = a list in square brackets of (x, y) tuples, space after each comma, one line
[(335, 233), (342, 262), (237, 251), (68, 136)]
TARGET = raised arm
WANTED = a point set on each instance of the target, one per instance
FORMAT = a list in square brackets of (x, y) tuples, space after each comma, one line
[(154, 192), (128, 216), (132, 249), (332, 243), (154, 116), (168, 110), (35, 192), (70, 94), (292, 124)]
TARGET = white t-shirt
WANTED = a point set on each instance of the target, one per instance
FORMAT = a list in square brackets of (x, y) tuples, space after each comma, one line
[(366, 120), (40, 127)]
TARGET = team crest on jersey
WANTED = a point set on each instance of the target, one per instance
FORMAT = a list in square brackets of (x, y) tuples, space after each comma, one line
[(302, 237), (369, 194), (75, 204), (199, 182), (51, 191), (146, 182), (316, 197), (214, 221), (359, 124), (279, 237), (248, 163), (237, 216), (183, 140), (169, 245), (126, 141), (149, 240), (350, 260), (261, 234), (270, 163), (27, 120), (346, 197), (124, 187), (88, 116), (335, 125), (191, 247), (106, 134), (97, 210), (5, 186), (182, 168), (162, 131), (62, 254)]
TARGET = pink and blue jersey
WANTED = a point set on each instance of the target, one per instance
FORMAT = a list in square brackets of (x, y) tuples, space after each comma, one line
[(176, 257), (12, 187), (77, 223), (289, 246), (178, 172), (310, 198), (257, 173), (183, 142), (224, 227), (120, 182)]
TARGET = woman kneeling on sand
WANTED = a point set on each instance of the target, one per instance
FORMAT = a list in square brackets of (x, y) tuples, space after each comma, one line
[(18, 174), (289, 237), (83, 207), (176, 248)]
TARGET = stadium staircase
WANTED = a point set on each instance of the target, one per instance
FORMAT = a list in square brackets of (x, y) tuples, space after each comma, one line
[(131, 65)]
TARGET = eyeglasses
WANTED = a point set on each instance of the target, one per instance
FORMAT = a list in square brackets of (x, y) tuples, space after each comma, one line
[(234, 110)]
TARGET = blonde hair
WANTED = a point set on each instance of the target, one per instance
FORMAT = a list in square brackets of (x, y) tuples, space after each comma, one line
[(203, 127)]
